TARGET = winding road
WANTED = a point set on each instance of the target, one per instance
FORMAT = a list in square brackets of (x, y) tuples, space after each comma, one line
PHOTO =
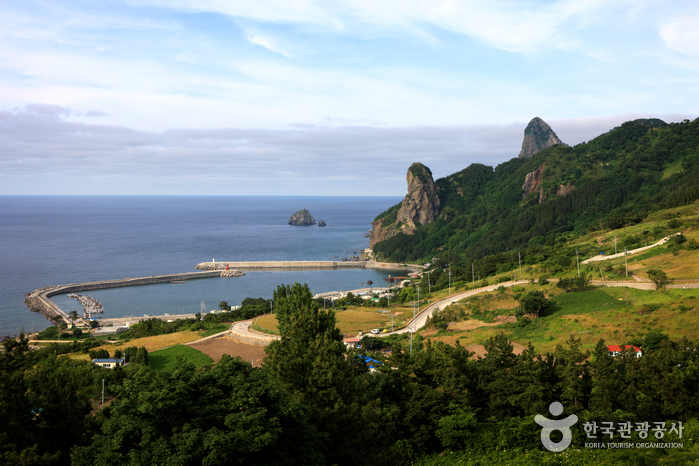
[(243, 331)]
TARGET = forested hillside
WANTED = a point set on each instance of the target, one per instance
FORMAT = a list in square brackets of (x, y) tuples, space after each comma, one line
[(613, 180)]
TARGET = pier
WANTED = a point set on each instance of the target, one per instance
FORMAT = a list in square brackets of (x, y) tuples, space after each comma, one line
[(39, 300), (266, 265)]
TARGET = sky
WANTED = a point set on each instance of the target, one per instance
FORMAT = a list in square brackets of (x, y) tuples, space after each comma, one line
[(305, 97)]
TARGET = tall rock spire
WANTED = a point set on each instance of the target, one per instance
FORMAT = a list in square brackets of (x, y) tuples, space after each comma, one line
[(538, 136), (419, 207)]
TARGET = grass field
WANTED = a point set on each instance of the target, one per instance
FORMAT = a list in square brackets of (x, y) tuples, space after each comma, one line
[(354, 319), (151, 343), (165, 360), (615, 314), (214, 330)]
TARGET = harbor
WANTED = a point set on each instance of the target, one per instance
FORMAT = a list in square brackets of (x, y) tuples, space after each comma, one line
[(179, 294)]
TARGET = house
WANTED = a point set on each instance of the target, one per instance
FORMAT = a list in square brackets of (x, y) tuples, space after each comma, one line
[(351, 342), (615, 350), (109, 363)]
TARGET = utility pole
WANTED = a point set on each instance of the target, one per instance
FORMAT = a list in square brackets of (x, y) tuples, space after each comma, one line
[(519, 254), (418, 299), (577, 259), (102, 393), (411, 343), (615, 244), (473, 274), (626, 262)]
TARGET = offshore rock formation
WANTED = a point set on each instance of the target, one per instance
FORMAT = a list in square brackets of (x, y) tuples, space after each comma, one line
[(538, 136), (321, 223), (419, 207), (302, 217)]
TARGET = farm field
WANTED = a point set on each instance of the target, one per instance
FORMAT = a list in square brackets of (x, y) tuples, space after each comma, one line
[(614, 314), (354, 319)]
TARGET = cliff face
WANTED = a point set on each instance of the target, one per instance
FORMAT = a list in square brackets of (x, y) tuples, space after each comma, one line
[(533, 181), (419, 207), (538, 136)]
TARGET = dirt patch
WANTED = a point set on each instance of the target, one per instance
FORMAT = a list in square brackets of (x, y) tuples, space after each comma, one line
[(217, 347), (481, 352), (470, 325)]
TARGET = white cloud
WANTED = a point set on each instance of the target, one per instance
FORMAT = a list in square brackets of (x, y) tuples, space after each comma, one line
[(269, 43), (682, 35), (525, 27)]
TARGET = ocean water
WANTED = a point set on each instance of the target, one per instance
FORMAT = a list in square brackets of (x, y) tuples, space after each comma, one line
[(52, 240)]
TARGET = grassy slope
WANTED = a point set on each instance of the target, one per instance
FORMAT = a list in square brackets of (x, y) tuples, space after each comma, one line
[(355, 319), (166, 359)]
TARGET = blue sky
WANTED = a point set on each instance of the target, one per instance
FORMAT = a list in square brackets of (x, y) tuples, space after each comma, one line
[(316, 97)]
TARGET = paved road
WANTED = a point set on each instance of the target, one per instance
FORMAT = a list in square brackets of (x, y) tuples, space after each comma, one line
[(242, 331), (421, 319), (602, 257)]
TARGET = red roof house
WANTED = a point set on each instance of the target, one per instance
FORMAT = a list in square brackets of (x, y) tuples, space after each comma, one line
[(615, 350)]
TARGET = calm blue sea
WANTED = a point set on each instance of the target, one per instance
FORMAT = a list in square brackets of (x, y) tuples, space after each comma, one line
[(51, 240)]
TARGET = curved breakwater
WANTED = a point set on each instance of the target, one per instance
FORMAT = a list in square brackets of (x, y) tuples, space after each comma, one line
[(284, 265), (39, 300)]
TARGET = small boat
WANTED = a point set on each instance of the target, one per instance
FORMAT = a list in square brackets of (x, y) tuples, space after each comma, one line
[(178, 282)]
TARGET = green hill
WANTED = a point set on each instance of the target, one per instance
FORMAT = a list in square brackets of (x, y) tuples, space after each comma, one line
[(614, 180)]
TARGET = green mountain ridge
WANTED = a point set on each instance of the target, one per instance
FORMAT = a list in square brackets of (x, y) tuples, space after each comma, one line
[(611, 181)]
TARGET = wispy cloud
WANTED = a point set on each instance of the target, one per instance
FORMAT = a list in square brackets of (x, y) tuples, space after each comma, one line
[(682, 35), (269, 43)]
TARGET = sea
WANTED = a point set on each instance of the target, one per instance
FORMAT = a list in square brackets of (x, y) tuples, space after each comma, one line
[(54, 240)]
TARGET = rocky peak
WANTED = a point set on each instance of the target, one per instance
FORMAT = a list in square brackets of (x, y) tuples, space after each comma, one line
[(302, 217), (419, 207), (538, 136)]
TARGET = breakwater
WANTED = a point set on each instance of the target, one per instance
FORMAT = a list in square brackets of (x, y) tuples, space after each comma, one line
[(39, 300), (302, 265)]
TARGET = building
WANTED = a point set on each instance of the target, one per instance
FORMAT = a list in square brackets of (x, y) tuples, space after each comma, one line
[(615, 350), (351, 342), (108, 363)]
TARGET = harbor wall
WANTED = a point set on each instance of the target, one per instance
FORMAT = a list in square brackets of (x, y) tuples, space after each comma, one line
[(282, 265), (39, 300), (303, 265)]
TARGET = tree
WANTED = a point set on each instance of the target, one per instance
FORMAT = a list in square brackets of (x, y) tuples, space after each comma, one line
[(309, 364), (73, 316), (228, 414), (44, 404), (660, 279), (533, 302), (573, 284), (223, 305), (309, 359)]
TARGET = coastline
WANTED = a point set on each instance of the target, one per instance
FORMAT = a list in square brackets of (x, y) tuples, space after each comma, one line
[(39, 299)]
